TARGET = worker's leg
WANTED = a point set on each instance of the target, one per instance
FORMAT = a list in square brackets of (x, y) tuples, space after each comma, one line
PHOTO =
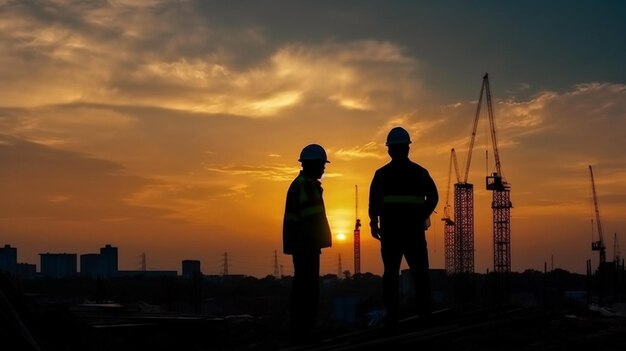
[(304, 298), (392, 257), (416, 255)]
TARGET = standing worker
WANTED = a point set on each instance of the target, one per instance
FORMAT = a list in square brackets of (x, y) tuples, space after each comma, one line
[(402, 198), (305, 233)]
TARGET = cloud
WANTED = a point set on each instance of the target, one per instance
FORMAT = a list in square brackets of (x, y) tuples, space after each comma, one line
[(278, 173), (369, 150), (40, 181), (172, 57)]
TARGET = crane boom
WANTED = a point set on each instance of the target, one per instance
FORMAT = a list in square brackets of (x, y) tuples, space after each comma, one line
[(599, 244), (468, 160), (492, 124)]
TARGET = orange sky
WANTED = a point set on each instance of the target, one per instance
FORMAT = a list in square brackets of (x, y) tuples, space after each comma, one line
[(173, 129)]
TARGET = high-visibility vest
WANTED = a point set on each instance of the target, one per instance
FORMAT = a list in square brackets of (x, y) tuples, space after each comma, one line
[(402, 196), (305, 226)]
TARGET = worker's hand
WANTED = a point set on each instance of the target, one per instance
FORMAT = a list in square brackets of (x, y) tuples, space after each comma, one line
[(375, 231)]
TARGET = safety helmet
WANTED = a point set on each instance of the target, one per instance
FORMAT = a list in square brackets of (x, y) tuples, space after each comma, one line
[(398, 135), (313, 152)]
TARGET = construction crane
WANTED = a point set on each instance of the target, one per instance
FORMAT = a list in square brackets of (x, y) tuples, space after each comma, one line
[(448, 223), (464, 206), (501, 197), (599, 244), (357, 233)]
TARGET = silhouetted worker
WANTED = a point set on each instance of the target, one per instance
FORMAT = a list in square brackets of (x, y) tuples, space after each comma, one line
[(305, 233), (401, 200)]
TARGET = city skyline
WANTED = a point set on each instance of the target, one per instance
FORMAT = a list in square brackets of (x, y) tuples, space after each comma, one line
[(173, 128)]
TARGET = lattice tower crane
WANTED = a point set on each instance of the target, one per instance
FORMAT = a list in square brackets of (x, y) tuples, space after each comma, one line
[(448, 223), (501, 197), (599, 244), (464, 207), (357, 233)]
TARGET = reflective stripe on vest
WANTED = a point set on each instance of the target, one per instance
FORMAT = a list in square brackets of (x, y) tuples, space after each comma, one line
[(403, 199)]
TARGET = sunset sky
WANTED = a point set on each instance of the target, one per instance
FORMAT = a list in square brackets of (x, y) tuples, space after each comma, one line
[(173, 128)]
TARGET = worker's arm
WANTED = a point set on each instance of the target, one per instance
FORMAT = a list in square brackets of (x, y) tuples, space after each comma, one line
[(374, 206), (432, 195)]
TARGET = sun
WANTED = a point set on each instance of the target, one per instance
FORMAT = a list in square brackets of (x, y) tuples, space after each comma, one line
[(341, 236)]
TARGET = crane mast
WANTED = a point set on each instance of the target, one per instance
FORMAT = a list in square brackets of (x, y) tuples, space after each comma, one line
[(449, 225), (599, 244)]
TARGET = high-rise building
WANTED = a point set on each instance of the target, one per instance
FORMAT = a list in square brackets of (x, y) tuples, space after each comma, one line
[(8, 259), (58, 265), (108, 261), (90, 265), (191, 268)]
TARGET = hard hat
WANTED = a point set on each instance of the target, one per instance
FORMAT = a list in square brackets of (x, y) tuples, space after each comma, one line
[(313, 152), (398, 135)]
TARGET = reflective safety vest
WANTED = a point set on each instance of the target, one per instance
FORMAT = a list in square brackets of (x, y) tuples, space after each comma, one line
[(305, 226), (403, 199), (402, 196)]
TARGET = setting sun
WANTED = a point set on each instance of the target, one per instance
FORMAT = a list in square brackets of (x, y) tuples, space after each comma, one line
[(341, 236)]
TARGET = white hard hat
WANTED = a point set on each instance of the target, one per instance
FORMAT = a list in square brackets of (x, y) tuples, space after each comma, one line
[(313, 152), (398, 135)]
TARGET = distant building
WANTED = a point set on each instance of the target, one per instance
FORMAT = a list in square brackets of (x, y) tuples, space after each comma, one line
[(58, 265), (191, 268), (90, 265), (108, 261), (8, 259), (26, 271)]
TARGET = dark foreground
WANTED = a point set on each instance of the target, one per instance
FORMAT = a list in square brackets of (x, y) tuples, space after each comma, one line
[(250, 314)]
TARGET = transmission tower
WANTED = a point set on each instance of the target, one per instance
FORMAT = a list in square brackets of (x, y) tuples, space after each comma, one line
[(339, 268), (143, 261), (276, 272), (225, 264), (616, 254)]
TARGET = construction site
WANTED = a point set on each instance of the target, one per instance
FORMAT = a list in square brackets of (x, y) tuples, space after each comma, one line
[(500, 309)]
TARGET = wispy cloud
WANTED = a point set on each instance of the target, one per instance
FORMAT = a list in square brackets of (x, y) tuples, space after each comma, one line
[(369, 150)]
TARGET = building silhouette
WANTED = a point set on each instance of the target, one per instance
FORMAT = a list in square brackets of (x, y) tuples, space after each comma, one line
[(8, 259), (191, 268), (58, 265), (90, 265), (108, 261)]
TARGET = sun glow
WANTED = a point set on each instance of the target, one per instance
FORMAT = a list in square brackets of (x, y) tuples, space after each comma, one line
[(341, 237)]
